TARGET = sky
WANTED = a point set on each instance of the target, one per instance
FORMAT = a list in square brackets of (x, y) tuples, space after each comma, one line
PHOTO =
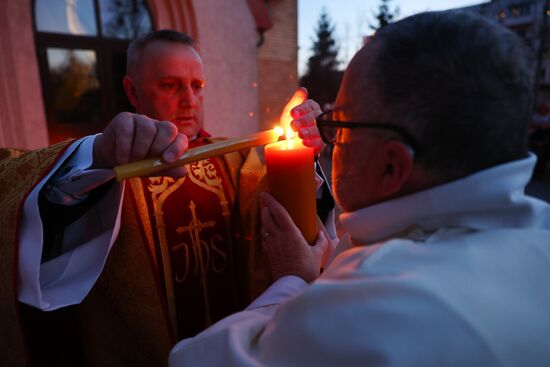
[(352, 18)]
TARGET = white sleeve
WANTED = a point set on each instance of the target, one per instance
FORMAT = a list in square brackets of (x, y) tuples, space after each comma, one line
[(67, 279), (72, 181), (252, 319), (349, 320), (281, 290)]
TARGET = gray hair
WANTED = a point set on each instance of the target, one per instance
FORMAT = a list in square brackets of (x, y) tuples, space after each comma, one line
[(462, 84), (138, 44)]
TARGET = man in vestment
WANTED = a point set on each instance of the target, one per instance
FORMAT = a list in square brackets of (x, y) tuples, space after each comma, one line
[(445, 261), (182, 248)]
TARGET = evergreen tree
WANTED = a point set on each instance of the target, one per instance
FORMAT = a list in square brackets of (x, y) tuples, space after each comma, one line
[(384, 16), (322, 78)]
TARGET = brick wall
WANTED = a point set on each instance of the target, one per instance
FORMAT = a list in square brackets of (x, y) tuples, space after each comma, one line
[(278, 60)]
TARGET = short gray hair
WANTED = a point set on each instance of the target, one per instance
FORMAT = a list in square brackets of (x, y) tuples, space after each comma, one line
[(462, 84), (138, 44)]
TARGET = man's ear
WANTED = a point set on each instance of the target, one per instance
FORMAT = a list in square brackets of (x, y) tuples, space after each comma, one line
[(399, 160), (130, 90)]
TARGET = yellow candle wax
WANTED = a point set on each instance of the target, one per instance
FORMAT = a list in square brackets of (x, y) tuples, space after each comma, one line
[(148, 167)]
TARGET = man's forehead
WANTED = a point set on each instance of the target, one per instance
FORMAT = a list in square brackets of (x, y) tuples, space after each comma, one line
[(170, 58), (160, 49)]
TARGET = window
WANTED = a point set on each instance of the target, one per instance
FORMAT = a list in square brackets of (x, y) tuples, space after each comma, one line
[(81, 47), (520, 10)]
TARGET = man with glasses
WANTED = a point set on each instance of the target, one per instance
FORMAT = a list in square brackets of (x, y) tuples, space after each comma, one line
[(445, 261)]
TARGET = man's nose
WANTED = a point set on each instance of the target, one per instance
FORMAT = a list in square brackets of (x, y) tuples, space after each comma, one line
[(188, 98)]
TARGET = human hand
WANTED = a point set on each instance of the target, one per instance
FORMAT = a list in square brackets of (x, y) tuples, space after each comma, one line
[(303, 122), (130, 137), (287, 250)]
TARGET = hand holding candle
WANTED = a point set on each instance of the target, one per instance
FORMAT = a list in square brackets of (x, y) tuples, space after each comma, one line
[(287, 251), (151, 166), (132, 137), (291, 175)]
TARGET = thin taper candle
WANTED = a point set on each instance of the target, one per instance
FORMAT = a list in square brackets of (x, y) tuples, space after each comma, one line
[(148, 167)]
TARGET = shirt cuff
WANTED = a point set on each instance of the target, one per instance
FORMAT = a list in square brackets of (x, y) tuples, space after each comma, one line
[(74, 180)]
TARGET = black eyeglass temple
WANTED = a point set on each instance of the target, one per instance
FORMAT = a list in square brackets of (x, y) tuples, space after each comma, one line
[(408, 138)]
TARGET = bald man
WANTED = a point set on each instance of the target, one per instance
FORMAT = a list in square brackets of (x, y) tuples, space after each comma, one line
[(445, 261)]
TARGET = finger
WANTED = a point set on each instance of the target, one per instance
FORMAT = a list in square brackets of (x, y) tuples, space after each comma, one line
[(144, 134), (176, 148), (175, 172), (279, 214), (268, 222), (306, 107), (321, 245), (307, 120), (317, 144), (308, 133), (123, 130), (166, 134), (300, 95), (310, 137), (263, 229), (323, 249), (265, 234)]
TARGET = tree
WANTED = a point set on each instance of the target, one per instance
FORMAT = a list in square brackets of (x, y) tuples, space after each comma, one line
[(126, 19), (384, 16), (322, 78)]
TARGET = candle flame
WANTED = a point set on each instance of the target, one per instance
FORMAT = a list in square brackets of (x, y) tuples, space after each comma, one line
[(279, 130), (290, 134)]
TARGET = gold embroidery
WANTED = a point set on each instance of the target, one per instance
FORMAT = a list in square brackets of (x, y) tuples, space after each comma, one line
[(201, 252), (206, 171), (19, 174), (143, 212), (194, 228), (203, 173), (161, 188), (208, 256)]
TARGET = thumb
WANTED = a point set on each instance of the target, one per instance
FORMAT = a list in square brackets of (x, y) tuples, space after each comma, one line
[(300, 95), (321, 245)]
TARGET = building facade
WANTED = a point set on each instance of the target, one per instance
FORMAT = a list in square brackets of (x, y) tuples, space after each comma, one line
[(530, 20)]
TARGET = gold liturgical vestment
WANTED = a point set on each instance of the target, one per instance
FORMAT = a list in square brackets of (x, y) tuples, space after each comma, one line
[(186, 255), (194, 226)]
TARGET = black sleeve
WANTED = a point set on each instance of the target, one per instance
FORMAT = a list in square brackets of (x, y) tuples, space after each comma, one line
[(325, 202), (56, 217)]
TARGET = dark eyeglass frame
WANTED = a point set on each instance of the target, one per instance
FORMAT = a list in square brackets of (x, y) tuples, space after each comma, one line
[(407, 137)]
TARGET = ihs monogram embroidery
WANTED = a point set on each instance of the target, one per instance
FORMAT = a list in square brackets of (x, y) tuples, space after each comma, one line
[(197, 252)]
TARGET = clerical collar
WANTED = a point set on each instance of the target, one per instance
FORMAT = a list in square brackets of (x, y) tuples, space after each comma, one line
[(492, 198)]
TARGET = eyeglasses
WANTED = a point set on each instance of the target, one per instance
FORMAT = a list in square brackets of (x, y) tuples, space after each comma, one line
[(328, 129)]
